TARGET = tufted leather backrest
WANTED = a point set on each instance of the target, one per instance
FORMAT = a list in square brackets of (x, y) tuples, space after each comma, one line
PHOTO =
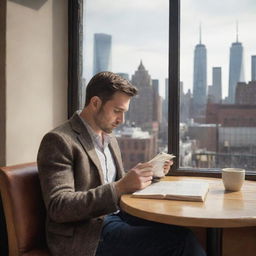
[(24, 210)]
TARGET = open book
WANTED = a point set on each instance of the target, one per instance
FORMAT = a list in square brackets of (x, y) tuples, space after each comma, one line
[(158, 163), (177, 190)]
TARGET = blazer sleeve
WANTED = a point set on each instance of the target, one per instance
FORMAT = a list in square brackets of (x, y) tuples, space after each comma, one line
[(63, 204)]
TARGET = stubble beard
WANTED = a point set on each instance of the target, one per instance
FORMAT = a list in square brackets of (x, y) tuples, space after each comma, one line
[(98, 120)]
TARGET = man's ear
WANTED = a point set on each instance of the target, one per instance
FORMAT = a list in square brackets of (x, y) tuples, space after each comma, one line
[(96, 102)]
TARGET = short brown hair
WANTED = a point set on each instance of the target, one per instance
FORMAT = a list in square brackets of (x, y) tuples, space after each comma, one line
[(105, 84)]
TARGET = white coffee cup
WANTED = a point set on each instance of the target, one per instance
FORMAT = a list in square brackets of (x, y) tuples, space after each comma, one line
[(233, 178)]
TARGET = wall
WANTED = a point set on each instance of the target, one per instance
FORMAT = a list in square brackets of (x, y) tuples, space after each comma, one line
[(2, 81), (36, 74)]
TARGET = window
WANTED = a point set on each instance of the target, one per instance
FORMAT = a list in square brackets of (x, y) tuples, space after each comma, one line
[(131, 39), (217, 76), (205, 75)]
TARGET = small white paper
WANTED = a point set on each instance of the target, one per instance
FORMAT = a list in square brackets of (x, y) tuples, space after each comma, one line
[(158, 163)]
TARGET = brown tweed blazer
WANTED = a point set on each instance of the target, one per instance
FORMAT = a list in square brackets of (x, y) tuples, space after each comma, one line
[(72, 185)]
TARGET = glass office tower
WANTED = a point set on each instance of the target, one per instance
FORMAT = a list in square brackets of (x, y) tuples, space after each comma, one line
[(200, 77), (217, 84), (236, 69), (102, 53), (253, 68)]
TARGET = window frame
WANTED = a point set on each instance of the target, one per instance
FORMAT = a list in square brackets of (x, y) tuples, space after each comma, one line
[(75, 59), (75, 54), (174, 99)]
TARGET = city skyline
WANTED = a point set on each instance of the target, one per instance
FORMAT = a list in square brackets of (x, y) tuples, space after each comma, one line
[(140, 51), (138, 36)]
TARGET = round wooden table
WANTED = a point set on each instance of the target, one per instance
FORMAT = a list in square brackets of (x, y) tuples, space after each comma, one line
[(221, 209)]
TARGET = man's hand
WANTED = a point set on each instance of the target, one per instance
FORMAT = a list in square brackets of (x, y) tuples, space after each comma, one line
[(167, 166), (137, 178)]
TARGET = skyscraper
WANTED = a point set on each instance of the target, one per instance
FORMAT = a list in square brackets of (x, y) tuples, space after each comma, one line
[(157, 111), (166, 99), (143, 106), (200, 78), (253, 68), (236, 69), (216, 84), (102, 53)]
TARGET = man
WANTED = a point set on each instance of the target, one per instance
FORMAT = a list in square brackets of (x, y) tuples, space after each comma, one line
[(82, 179)]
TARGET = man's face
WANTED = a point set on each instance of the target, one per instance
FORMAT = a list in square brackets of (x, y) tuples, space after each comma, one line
[(111, 114)]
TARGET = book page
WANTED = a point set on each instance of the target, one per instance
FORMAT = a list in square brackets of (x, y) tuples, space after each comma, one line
[(180, 190), (158, 163)]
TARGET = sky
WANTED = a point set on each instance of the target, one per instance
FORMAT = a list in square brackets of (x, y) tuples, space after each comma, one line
[(139, 31)]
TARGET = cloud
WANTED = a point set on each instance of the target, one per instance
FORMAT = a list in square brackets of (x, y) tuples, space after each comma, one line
[(224, 8)]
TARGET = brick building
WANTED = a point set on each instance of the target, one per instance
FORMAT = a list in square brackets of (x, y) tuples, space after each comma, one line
[(246, 93), (205, 136), (236, 131), (136, 146), (145, 107), (233, 115)]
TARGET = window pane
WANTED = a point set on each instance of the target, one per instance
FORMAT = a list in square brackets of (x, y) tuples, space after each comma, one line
[(218, 84), (130, 37)]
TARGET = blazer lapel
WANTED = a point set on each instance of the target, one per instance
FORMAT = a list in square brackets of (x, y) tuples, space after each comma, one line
[(114, 148), (86, 141)]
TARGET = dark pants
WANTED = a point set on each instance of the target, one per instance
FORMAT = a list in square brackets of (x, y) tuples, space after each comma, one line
[(126, 235)]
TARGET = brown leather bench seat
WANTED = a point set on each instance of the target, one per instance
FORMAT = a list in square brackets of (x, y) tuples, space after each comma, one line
[(24, 210)]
